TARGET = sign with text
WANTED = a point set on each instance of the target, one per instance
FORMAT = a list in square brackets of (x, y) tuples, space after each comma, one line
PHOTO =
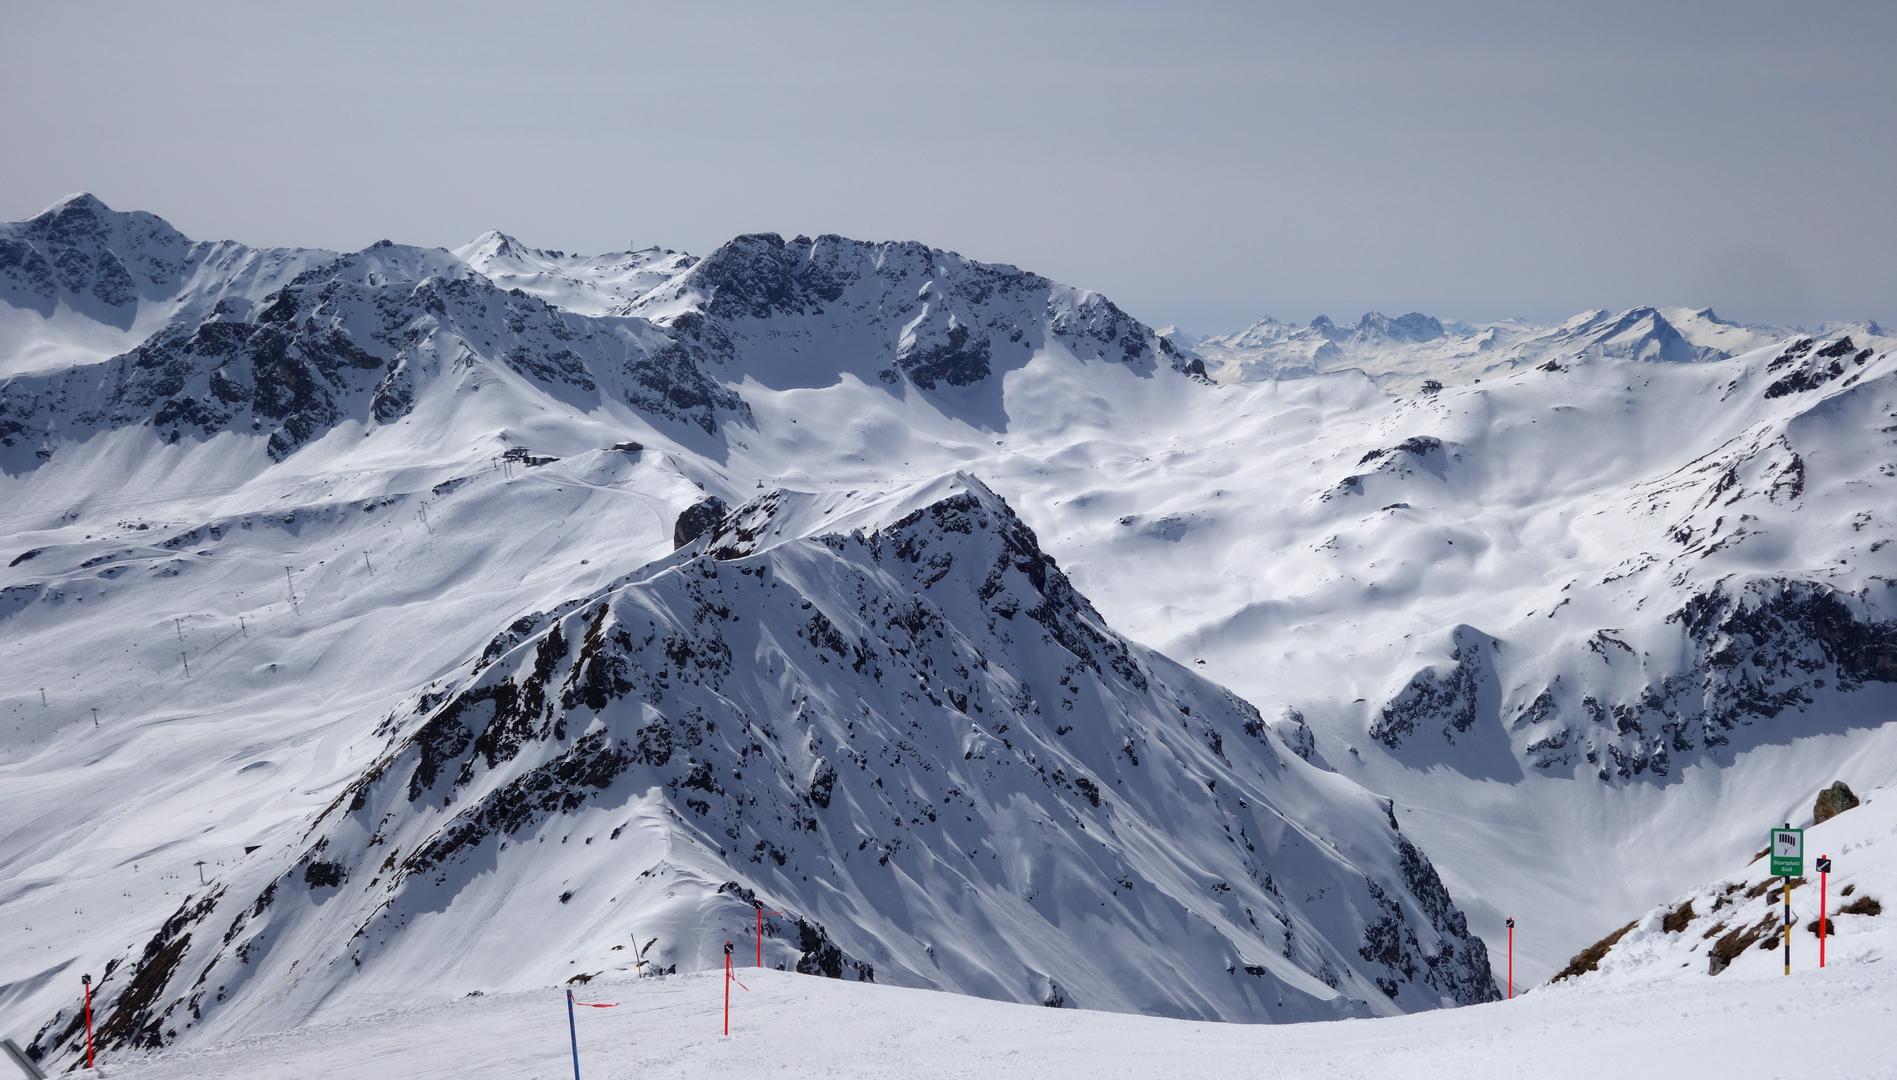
[(1787, 848)]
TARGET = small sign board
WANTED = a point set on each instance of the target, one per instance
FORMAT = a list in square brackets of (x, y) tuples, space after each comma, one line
[(1824, 864), (1787, 848)]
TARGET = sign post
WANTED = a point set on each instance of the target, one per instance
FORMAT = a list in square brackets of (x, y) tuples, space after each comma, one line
[(1786, 846), (1824, 887), (86, 981), (1511, 958)]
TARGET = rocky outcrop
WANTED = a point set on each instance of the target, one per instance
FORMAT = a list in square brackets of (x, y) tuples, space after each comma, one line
[(1451, 696), (1833, 801), (899, 312), (698, 519)]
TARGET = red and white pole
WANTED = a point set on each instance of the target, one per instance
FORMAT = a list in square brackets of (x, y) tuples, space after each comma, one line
[(1511, 959), (727, 989), (86, 981)]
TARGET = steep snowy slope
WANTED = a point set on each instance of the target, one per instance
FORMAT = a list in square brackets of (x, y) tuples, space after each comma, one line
[(905, 731), (1733, 929)]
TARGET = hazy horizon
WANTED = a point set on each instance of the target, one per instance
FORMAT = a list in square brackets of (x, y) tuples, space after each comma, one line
[(1203, 166)]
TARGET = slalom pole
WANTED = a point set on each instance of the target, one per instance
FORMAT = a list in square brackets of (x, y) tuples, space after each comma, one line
[(86, 981), (1511, 958), (573, 1033)]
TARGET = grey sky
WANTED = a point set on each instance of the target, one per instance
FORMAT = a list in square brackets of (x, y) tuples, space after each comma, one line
[(1199, 163)]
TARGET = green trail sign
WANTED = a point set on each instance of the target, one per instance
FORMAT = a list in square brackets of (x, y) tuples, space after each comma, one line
[(1787, 848)]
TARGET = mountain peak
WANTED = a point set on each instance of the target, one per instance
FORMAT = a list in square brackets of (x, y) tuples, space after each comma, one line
[(80, 201), (1413, 326), (493, 244)]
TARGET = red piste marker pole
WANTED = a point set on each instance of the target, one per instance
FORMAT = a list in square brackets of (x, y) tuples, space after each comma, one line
[(760, 932), (729, 979), (1824, 885), (1511, 959), (86, 981)]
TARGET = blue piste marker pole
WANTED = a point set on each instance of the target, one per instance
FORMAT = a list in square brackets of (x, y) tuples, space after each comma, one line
[(573, 1032)]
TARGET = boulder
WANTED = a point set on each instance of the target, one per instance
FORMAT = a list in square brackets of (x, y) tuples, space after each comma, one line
[(1833, 801)]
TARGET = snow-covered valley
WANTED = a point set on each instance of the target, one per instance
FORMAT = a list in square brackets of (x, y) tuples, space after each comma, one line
[(477, 616)]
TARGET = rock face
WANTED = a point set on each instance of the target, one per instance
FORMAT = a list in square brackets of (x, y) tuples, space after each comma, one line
[(907, 731), (1455, 696), (1833, 801), (891, 312), (83, 252), (358, 338), (697, 519)]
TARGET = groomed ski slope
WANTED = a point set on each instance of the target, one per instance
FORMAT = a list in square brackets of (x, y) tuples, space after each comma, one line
[(1831, 1023)]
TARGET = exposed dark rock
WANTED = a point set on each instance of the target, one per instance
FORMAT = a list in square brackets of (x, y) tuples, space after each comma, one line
[(324, 875), (1760, 648), (1453, 696), (1823, 366), (697, 519), (1589, 959), (1833, 801)]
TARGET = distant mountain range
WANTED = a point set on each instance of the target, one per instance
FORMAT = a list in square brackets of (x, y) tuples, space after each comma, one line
[(1411, 348)]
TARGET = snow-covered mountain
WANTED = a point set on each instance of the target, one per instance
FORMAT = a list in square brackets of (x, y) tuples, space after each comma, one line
[(584, 284), (1406, 351), (424, 573), (80, 282), (893, 720), (450, 576)]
